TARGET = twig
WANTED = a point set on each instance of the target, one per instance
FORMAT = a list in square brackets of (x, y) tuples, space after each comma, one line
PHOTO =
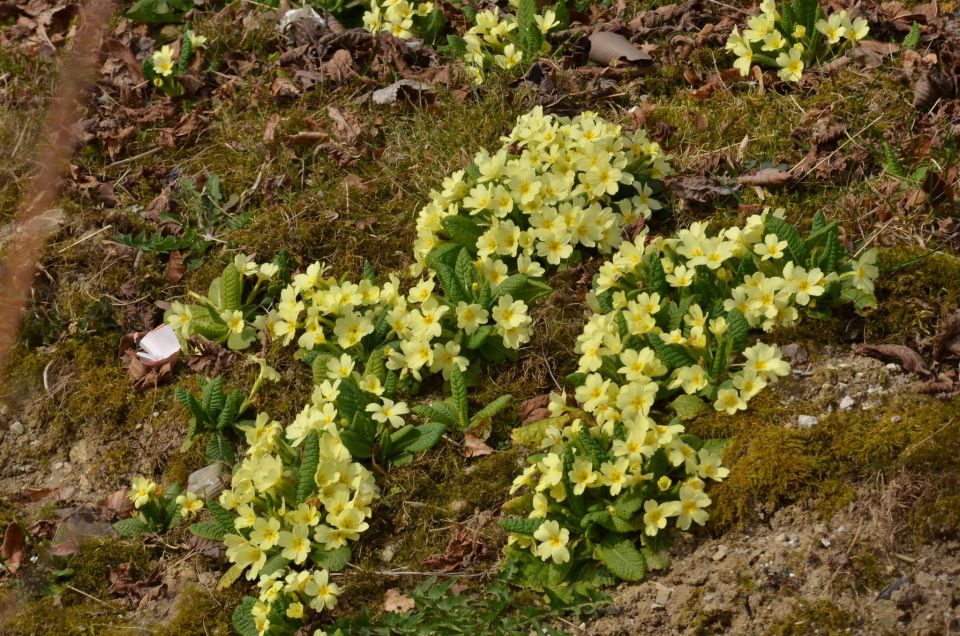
[(84, 238), (145, 153), (91, 597)]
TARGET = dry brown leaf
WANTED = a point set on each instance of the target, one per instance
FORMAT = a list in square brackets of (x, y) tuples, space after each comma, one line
[(473, 446), (13, 547), (909, 359), (948, 338), (175, 267), (118, 503), (396, 601), (698, 189), (771, 177), (270, 130), (607, 47)]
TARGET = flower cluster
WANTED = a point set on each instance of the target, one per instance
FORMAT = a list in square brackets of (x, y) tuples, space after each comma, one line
[(554, 185), (399, 18), (793, 38), (671, 320), (293, 518), (165, 66), (503, 40), (227, 314), (155, 508)]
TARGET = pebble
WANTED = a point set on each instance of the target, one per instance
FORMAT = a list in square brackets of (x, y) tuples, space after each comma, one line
[(846, 403), (807, 421), (663, 595), (16, 428), (206, 482), (386, 555), (924, 579), (825, 542), (721, 553)]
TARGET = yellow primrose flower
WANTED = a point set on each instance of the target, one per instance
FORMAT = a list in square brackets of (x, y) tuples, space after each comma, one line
[(141, 489), (388, 411), (234, 320), (189, 504), (553, 542), (655, 515), (163, 61), (770, 248), (692, 504), (324, 592), (729, 401), (791, 64)]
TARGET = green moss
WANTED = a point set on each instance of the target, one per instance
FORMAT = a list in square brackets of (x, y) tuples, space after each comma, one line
[(914, 298), (820, 617), (771, 465), (869, 571), (42, 618), (92, 565), (201, 612)]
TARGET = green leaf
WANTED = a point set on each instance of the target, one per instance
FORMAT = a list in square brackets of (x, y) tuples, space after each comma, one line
[(622, 558), (458, 388), (448, 281), (232, 288), (369, 274), (427, 437), (230, 410), (211, 530), (673, 356), (529, 435), (479, 337), (831, 252), (186, 52), (441, 412), (220, 448), (223, 516), (463, 231), (274, 563), (796, 248), (520, 526), (334, 560), (521, 287), (360, 436), (468, 276), (629, 503), (491, 410), (819, 221), (131, 527), (242, 620), (913, 38), (306, 476), (737, 330), (688, 407)]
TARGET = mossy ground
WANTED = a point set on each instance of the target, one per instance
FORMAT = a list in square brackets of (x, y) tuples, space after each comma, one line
[(319, 209)]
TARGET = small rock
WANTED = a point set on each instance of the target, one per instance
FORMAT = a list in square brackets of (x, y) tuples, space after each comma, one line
[(721, 553), (825, 542), (781, 538), (458, 505), (57, 465), (924, 579), (386, 555), (846, 403), (663, 595), (888, 614), (896, 419), (205, 482), (16, 428), (807, 421)]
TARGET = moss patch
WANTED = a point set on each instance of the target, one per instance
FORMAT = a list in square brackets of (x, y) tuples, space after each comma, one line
[(820, 617)]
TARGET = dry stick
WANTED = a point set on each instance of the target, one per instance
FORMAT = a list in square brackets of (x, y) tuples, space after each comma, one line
[(20, 265)]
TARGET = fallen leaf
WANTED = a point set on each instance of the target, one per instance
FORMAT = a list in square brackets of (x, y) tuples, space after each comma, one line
[(698, 189), (396, 601), (947, 340), (389, 94), (607, 47), (909, 359), (175, 267), (766, 177), (118, 503), (473, 446), (13, 547), (463, 548), (270, 130)]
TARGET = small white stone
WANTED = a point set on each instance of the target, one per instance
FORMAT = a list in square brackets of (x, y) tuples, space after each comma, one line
[(807, 421), (825, 542), (17, 428), (846, 403)]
